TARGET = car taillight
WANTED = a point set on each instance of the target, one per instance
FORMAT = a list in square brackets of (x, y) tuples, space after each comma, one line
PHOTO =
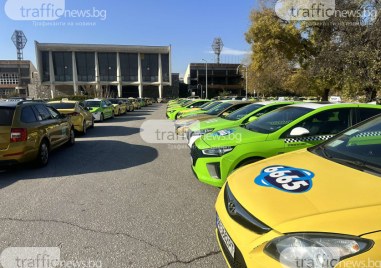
[(19, 134)]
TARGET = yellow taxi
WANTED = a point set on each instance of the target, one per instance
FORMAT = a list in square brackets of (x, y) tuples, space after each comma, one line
[(29, 131), (317, 207), (120, 107), (81, 118)]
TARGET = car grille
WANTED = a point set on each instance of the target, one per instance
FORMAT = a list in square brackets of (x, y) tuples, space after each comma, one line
[(238, 261), (196, 154), (238, 213)]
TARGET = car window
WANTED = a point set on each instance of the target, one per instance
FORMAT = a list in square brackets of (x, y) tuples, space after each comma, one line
[(216, 110), (358, 147), (42, 113), (244, 111), (6, 116), (27, 115), (55, 114), (326, 122), (365, 113), (92, 103), (277, 119), (62, 105)]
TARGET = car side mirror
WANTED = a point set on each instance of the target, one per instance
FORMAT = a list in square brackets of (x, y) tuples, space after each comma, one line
[(299, 131)]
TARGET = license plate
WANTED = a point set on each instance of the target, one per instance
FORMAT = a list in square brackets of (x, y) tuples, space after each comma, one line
[(225, 237)]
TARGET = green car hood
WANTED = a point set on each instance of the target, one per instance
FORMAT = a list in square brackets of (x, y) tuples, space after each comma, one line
[(215, 123), (94, 109), (230, 137), (186, 115)]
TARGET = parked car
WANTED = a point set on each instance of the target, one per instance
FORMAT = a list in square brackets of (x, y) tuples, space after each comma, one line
[(320, 205), (29, 131), (80, 117), (217, 154), (129, 104), (100, 108), (238, 118), (120, 107), (172, 113), (222, 110), (136, 103)]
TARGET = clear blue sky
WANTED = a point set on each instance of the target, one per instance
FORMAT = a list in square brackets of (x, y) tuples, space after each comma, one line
[(189, 26)]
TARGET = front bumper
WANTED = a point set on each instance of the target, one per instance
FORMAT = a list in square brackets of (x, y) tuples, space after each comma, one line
[(249, 246)]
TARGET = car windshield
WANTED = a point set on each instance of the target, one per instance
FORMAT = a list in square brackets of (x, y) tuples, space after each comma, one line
[(359, 147), (114, 101), (218, 109), (92, 103), (6, 116), (277, 119), (244, 111), (62, 105), (211, 105)]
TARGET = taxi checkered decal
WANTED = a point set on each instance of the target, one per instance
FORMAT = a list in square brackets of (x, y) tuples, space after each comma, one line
[(306, 139), (369, 134)]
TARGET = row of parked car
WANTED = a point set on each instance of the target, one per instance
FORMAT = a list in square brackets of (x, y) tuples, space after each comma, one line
[(300, 182), (30, 130)]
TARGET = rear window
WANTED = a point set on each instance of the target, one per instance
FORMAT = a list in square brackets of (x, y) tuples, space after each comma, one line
[(6, 116), (27, 115), (62, 105)]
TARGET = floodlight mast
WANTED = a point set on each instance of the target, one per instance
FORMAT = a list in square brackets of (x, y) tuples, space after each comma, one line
[(217, 46), (19, 39)]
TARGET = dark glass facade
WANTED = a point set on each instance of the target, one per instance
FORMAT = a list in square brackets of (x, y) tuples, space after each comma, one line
[(165, 67), (150, 67), (45, 66), (85, 66), (129, 65), (63, 66), (107, 66)]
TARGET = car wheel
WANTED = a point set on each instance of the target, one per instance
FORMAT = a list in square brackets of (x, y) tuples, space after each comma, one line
[(102, 117), (92, 123), (43, 154), (84, 127), (71, 140), (113, 115)]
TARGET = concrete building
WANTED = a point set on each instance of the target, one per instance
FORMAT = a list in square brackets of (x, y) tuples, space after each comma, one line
[(17, 78), (222, 79), (104, 70)]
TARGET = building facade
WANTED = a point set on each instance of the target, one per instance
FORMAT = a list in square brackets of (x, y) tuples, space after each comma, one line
[(104, 70), (17, 78), (223, 79)]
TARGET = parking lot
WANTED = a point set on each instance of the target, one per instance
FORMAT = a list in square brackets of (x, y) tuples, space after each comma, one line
[(113, 199)]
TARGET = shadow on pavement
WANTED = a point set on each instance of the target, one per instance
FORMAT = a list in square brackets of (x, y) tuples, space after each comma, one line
[(84, 157), (104, 130)]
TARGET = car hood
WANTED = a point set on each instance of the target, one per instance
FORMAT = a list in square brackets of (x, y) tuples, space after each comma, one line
[(340, 199), (93, 109), (189, 110), (198, 117), (216, 122), (232, 137)]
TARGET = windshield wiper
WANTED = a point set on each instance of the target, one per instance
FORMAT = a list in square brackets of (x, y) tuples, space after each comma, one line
[(357, 164)]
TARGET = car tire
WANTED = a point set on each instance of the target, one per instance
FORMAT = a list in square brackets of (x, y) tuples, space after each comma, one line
[(84, 127), (43, 154), (102, 117), (113, 115), (92, 123), (71, 140)]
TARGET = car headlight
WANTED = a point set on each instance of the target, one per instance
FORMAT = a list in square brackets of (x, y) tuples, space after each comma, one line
[(321, 250), (203, 131), (217, 151)]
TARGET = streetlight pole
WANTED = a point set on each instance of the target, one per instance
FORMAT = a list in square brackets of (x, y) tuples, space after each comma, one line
[(245, 66), (206, 78)]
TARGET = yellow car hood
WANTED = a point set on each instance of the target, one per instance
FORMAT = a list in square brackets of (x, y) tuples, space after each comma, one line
[(341, 199)]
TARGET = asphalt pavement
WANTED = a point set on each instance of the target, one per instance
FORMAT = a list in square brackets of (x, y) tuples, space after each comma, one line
[(115, 200)]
